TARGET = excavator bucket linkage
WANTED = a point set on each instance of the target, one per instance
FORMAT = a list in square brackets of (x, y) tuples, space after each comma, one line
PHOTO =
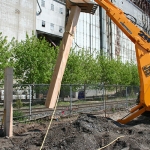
[(86, 5), (134, 112)]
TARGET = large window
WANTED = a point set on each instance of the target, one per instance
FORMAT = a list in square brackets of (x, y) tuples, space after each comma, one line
[(43, 3), (43, 23), (60, 29), (52, 7), (51, 26), (61, 10)]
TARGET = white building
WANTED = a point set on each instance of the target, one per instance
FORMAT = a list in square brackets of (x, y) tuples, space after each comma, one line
[(50, 19)]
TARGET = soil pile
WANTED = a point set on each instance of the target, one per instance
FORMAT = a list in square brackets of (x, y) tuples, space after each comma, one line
[(87, 132)]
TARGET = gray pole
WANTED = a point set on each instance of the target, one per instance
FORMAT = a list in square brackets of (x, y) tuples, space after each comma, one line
[(104, 100), (70, 99), (126, 97), (30, 97)]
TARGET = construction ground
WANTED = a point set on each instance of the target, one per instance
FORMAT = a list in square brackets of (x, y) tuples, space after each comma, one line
[(83, 132)]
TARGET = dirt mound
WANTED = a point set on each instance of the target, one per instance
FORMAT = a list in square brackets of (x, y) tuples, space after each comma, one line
[(87, 132)]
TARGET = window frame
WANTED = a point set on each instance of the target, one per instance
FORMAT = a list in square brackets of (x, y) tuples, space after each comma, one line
[(43, 3), (61, 10), (60, 29), (52, 7), (51, 26), (43, 23)]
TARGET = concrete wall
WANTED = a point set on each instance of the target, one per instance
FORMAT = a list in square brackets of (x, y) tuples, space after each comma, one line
[(54, 18), (17, 18)]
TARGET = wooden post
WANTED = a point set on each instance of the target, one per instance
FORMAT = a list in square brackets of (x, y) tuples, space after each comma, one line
[(62, 57), (8, 98)]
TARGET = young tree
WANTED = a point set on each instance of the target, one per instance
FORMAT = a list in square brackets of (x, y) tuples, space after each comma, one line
[(125, 74), (34, 60), (81, 68), (5, 55), (109, 73), (91, 67), (73, 71), (135, 76)]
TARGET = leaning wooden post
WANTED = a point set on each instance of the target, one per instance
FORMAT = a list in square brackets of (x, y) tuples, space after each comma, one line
[(62, 57), (8, 99)]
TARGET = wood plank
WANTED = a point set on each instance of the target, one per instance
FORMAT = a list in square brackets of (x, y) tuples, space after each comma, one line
[(62, 57), (8, 100)]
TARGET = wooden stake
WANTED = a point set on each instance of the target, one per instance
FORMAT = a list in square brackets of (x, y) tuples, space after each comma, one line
[(62, 57), (8, 99)]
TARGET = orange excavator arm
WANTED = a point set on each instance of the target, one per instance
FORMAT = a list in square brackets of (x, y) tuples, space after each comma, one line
[(142, 49)]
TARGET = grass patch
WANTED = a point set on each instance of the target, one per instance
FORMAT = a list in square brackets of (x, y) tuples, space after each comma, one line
[(63, 103)]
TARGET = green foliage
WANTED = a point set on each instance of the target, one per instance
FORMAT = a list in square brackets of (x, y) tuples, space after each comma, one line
[(126, 75), (111, 70), (135, 76), (117, 72), (91, 68), (18, 115), (35, 60), (5, 55), (81, 68), (18, 104), (107, 66), (100, 69), (113, 109), (73, 71)]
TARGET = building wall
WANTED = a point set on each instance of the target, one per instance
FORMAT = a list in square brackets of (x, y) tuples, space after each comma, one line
[(98, 32), (87, 35), (17, 18), (52, 15)]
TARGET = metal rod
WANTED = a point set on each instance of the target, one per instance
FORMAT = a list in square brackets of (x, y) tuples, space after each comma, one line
[(70, 99), (30, 110), (126, 97)]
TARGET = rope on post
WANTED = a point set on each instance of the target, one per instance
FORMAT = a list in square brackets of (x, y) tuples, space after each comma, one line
[(49, 123), (110, 143)]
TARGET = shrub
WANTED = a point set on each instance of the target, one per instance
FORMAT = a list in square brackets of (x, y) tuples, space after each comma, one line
[(18, 115), (18, 104)]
